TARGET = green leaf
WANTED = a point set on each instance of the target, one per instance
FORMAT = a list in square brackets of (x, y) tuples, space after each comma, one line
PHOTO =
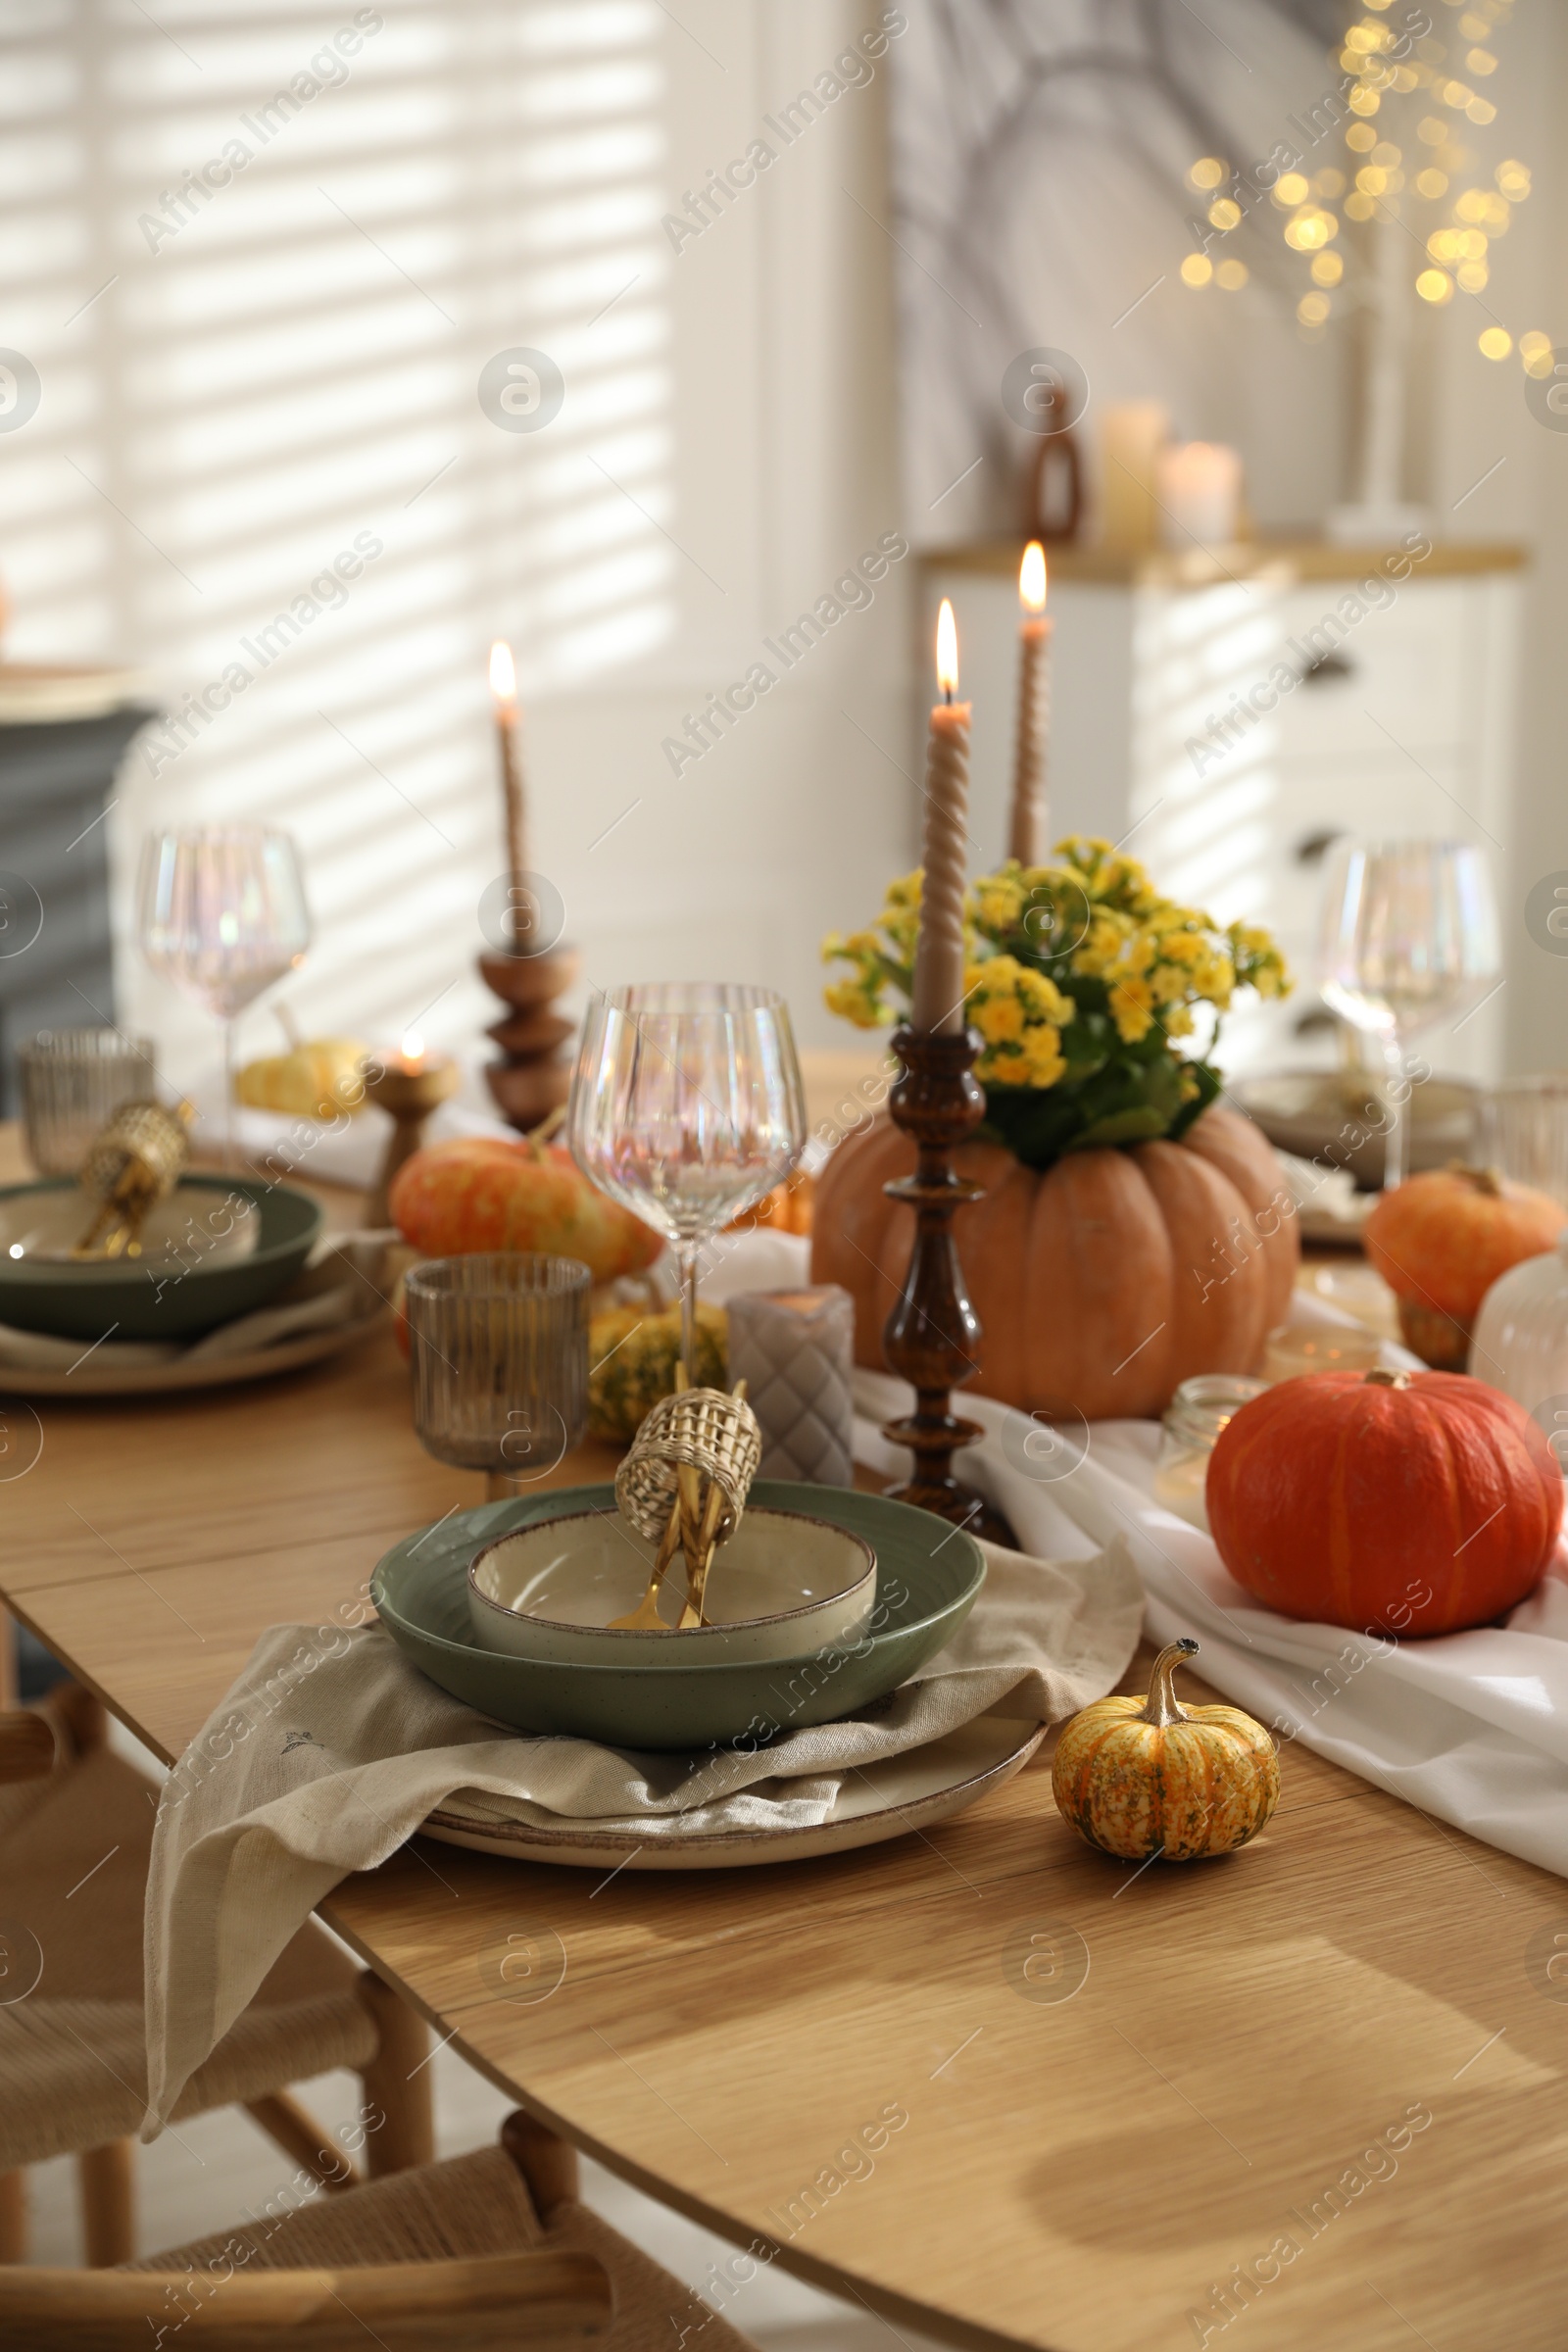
[(1142, 1125)]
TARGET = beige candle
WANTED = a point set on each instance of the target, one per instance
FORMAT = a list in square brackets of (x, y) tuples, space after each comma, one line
[(937, 1005), (795, 1350), (1028, 831), (504, 687), (1132, 435)]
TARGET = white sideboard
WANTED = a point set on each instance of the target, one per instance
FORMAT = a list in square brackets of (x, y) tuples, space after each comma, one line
[(1228, 719)]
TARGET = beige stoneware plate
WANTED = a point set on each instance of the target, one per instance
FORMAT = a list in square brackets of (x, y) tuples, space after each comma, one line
[(879, 1801)]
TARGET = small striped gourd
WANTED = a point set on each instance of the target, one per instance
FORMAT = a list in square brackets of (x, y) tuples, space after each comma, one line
[(1139, 1777)]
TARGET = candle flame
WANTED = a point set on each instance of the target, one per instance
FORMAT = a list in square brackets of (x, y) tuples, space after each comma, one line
[(413, 1046), (947, 651), (1032, 579), (503, 672)]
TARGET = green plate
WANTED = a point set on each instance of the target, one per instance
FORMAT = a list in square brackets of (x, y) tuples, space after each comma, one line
[(150, 1303), (929, 1576)]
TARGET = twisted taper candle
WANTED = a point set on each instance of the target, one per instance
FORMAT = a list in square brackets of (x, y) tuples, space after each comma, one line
[(937, 996), (1028, 835)]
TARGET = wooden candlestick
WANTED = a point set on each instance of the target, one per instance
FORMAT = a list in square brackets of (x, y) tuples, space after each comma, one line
[(932, 1335), (530, 1080), (408, 1097)]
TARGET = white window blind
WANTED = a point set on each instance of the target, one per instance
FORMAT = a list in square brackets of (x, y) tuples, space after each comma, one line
[(258, 257)]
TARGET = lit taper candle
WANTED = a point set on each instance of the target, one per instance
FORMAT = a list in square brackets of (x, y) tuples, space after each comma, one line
[(1028, 830), (937, 998), (504, 687)]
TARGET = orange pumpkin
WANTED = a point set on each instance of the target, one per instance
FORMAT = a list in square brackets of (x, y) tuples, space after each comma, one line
[(787, 1208), (1401, 1502), (1103, 1283), (482, 1192), (1441, 1241)]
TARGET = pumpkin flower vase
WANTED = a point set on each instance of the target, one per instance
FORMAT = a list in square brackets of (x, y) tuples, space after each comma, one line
[(1133, 1231), (1141, 1777)]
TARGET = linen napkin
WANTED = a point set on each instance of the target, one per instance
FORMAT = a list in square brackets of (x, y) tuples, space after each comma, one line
[(331, 1748), (345, 1283), (1472, 1727)]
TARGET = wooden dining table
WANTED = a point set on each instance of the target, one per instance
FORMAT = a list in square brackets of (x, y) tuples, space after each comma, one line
[(980, 2080)]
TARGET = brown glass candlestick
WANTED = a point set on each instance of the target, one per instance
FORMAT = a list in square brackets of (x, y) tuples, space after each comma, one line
[(933, 1333)]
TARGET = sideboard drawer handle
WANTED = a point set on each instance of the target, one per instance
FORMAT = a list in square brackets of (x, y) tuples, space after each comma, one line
[(1313, 848), (1329, 669)]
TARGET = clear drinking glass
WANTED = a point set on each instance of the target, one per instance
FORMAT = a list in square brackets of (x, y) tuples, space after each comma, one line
[(499, 1344), (1524, 1129), (1408, 937), (223, 913), (687, 1107), (73, 1082)]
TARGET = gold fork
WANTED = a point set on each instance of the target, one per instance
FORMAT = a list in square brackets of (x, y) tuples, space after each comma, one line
[(697, 1566), (645, 1617)]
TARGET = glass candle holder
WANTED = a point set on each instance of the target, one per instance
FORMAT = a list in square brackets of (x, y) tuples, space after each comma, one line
[(1523, 1130), (72, 1083), (499, 1348), (1297, 1347), (1189, 1433)]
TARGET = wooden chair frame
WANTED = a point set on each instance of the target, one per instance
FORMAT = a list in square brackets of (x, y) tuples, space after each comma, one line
[(531, 2301), (393, 2081)]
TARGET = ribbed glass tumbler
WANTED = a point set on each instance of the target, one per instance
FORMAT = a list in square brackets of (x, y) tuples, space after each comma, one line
[(499, 1350), (72, 1083)]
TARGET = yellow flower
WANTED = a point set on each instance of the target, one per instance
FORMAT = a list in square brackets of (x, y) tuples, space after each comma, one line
[(852, 1001), (1185, 947), (1107, 934), (999, 1020), (1043, 1048), (1043, 1000), (1169, 983), (998, 904), (1132, 1008)]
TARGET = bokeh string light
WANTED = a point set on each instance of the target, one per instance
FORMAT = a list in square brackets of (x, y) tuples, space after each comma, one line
[(1408, 107)]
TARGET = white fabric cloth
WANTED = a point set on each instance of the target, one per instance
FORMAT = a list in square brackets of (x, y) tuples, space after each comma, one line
[(1471, 1727), (331, 1748)]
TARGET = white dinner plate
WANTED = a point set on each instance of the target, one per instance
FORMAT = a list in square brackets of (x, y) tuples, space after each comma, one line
[(877, 1801)]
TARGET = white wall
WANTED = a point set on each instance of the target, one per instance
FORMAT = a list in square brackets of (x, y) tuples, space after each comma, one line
[(228, 411), (298, 362)]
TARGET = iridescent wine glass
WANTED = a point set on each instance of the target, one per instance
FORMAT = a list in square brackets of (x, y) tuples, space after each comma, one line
[(687, 1107)]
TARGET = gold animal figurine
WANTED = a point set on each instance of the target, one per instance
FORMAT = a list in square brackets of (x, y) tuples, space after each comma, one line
[(696, 1436), (136, 1162)]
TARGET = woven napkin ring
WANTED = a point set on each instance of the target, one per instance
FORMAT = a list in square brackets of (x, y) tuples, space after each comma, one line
[(715, 1435), (143, 1142)]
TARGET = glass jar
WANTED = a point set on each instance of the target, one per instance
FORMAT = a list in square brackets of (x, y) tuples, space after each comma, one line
[(1299, 1347), (1194, 1419)]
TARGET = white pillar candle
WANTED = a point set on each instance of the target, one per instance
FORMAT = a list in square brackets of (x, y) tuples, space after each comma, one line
[(794, 1349), (1199, 495)]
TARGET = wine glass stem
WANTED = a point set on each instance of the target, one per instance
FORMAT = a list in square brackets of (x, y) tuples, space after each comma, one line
[(686, 1252), (1394, 1109), (230, 1139)]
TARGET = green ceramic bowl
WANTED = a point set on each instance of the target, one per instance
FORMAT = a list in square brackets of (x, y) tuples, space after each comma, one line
[(928, 1578), (137, 1302)]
